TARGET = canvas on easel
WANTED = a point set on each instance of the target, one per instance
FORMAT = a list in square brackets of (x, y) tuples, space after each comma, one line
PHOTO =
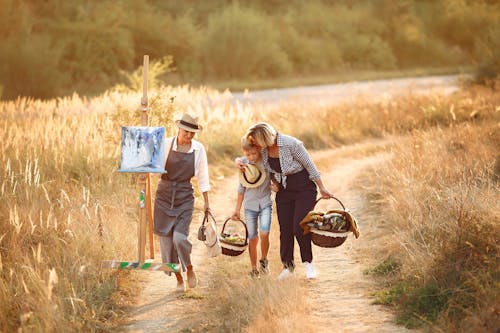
[(143, 149)]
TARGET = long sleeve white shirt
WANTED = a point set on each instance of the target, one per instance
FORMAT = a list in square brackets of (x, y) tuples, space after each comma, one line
[(200, 161)]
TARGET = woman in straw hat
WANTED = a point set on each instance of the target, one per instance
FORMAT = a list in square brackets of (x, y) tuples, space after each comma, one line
[(174, 202), (298, 177)]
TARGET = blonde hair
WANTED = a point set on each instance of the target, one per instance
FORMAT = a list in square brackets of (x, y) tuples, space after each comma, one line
[(246, 145), (261, 134)]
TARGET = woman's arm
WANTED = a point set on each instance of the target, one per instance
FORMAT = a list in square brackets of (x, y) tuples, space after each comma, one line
[(325, 194), (202, 170), (304, 158), (207, 204), (300, 154)]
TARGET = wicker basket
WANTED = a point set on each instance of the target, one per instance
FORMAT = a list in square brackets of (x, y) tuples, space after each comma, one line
[(229, 248), (333, 238), (323, 238)]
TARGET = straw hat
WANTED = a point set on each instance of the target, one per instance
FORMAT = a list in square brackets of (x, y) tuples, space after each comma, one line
[(189, 123), (252, 176)]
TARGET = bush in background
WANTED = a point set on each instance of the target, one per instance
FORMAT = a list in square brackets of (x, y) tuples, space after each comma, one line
[(84, 46), (241, 42)]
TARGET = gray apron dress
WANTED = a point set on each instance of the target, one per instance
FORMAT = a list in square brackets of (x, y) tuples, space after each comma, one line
[(173, 210)]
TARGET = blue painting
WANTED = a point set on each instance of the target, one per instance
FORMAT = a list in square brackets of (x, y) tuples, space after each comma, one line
[(143, 149)]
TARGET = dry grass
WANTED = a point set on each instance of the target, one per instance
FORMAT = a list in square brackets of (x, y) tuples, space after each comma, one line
[(440, 195), (235, 302), (64, 209)]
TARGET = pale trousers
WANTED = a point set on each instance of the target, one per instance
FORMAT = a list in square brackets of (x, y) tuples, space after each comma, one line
[(174, 248)]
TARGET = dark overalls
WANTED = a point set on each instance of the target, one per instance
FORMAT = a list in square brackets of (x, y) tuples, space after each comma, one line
[(292, 204), (173, 210)]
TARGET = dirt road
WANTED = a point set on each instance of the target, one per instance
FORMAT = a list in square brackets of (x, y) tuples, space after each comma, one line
[(345, 92), (341, 284), (341, 296)]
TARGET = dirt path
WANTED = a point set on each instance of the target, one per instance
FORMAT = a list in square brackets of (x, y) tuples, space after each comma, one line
[(340, 296), (160, 308)]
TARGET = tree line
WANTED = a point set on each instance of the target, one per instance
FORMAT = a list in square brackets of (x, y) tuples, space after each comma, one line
[(57, 47)]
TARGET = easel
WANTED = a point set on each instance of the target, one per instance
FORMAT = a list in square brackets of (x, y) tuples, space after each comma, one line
[(145, 204)]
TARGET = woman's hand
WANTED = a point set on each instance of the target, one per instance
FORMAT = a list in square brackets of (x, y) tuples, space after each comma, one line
[(325, 194), (206, 208)]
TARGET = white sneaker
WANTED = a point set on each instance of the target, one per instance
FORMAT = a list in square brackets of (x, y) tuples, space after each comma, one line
[(285, 273), (310, 271)]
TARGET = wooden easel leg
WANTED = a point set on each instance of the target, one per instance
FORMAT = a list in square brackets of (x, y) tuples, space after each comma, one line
[(142, 218), (149, 206)]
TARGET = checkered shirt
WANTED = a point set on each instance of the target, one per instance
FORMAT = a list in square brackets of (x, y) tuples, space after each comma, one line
[(293, 158)]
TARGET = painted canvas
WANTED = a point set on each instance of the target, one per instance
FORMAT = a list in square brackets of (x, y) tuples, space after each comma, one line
[(143, 149)]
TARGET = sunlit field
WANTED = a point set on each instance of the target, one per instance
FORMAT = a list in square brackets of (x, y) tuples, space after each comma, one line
[(65, 208), (439, 195)]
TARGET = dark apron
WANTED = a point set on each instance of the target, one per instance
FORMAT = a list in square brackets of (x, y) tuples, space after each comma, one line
[(174, 197)]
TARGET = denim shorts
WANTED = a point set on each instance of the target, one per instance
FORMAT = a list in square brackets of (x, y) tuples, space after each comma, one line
[(251, 217)]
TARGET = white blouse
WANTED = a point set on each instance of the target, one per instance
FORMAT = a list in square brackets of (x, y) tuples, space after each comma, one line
[(200, 161)]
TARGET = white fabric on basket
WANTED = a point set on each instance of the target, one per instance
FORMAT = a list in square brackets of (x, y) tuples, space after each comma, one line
[(212, 241)]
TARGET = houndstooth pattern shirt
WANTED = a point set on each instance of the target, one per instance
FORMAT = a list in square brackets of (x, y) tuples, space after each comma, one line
[(293, 158)]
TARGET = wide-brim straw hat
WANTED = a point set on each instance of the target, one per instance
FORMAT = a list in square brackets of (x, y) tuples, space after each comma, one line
[(252, 175), (189, 123)]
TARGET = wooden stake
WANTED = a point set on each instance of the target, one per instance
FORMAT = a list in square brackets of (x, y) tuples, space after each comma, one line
[(141, 180), (149, 207)]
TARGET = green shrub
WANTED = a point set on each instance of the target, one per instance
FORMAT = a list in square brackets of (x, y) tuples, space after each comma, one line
[(23, 73), (226, 40), (310, 55), (390, 265), (240, 42)]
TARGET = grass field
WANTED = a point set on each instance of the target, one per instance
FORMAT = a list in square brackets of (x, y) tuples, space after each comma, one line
[(64, 208)]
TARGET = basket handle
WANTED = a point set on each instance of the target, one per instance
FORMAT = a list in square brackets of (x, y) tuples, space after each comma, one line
[(340, 202), (244, 224), (205, 218), (205, 221)]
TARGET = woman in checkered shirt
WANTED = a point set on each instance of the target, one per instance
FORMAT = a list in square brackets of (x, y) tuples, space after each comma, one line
[(286, 158)]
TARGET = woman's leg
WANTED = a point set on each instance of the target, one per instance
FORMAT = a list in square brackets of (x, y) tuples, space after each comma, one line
[(167, 250), (304, 204), (285, 212), (183, 246)]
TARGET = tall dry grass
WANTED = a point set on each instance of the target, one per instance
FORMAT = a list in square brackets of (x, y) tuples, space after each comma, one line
[(64, 208), (59, 193), (440, 195)]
